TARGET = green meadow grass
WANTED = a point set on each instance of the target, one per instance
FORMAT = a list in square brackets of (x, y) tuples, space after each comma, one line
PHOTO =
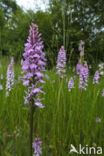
[(67, 118)]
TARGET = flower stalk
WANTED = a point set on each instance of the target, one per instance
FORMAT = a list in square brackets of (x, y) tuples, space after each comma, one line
[(33, 66), (31, 126)]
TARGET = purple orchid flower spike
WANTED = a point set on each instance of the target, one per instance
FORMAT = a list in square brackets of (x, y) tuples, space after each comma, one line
[(83, 76), (37, 147), (96, 77), (33, 67), (78, 67), (61, 62), (12, 60), (10, 79), (33, 64), (81, 50), (70, 84)]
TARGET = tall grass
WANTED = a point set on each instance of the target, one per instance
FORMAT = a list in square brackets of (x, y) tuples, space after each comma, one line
[(67, 118)]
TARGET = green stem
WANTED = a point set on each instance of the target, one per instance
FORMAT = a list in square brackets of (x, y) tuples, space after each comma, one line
[(58, 110), (69, 119), (59, 93), (11, 110), (31, 128), (80, 115)]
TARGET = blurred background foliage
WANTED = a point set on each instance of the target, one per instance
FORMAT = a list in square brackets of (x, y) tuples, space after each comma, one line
[(65, 22)]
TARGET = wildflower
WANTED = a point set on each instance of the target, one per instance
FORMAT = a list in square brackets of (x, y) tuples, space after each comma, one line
[(71, 84), (37, 147), (103, 92), (61, 62), (98, 120), (12, 60), (38, 103), (33, 66), (10, 79), (82, 43), (83, 76), (81, 48), (1, 87), (96, 78), (78, 67)]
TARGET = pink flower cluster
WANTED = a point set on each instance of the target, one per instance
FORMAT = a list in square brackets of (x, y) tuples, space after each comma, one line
[(78, 67), (83, 76), (96, 77), (10, 77), (61, 62), (37, 147), (70, 84), (33, 66)]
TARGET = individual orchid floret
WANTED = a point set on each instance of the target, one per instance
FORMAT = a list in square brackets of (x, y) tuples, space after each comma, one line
[(96, 77), (37, 147), (78, 67), (61, 62), (98, 120), (83, 77), (70, 84), (10, 79), (33, 66)]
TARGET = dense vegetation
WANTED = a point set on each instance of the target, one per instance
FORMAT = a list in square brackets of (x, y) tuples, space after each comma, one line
[(64, 22), (73, 109), (74, 117)]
